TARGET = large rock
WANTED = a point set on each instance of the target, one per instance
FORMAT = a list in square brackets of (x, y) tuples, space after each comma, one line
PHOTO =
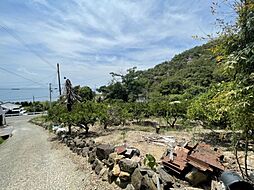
[(111, 177), (91, 157), (121, 183), (147, 183), (108, 163), (129, 187), (130, 152), (85, 151), (195, 177), (165, 177), (104, 174), (136, 178), (115, 158), (116, 170), (94, 164), (127, 165), (98, 167), (103, 151), (124, 176), (136, 159)]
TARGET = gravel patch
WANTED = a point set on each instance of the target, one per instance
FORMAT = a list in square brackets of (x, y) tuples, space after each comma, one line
[(29, 160)]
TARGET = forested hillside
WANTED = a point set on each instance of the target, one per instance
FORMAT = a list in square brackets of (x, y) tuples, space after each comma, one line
[(189, 73)]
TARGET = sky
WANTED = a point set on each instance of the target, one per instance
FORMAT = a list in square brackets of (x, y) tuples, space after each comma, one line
[(91, 38)]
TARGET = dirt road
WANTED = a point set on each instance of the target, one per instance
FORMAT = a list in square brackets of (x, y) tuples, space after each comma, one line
[(28, 161)]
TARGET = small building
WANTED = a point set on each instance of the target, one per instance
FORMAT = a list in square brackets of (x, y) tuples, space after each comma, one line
[(2, 117), (10, 108)]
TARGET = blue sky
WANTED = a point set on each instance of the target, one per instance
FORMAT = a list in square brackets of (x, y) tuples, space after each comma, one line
[(92, 38)]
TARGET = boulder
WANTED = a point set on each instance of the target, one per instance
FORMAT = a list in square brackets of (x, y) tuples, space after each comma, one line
[(108, 163), (94, 164), (147, 183), (116, 170), (136, 178), (121, 183), (195, 177), (98, 167), (111, 176), (85, 151), (130, 152), (91, 157), (129, 187), (127, 165), (124, 176), (146, 170), (120, 149), (165, 177), (114, 157), (136, 159), (104, 174), (103, 151)]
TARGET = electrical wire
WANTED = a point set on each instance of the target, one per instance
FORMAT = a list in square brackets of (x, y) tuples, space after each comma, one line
[(20, 40), (16, 74)]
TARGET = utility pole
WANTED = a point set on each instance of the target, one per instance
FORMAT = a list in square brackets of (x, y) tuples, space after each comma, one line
[(33, 106), (59, 83), (50, 97)]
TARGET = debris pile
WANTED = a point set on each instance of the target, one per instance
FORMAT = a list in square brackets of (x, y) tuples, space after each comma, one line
[(168, 141), (196, 163)]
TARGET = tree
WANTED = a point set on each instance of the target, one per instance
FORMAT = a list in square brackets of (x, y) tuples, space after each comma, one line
[(84, 113), (171, 108), (85, 93), (104, 115), (236, 56), (127, 88)]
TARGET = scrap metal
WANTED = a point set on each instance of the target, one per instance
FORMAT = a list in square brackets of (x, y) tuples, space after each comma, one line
[(200, 156)]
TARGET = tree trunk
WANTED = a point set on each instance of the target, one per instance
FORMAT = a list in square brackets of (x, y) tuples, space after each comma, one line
[(87, 128), (69, 128), (237, 159), (174, 122), (246, 155), (105, 126)]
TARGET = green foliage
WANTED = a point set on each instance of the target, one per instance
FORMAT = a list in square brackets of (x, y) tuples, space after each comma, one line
[(170, 108), (85, 93), (150, 161), (213, 107), (129, 89)]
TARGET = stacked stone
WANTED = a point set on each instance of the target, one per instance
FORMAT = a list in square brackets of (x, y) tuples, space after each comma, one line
[(121, 164)]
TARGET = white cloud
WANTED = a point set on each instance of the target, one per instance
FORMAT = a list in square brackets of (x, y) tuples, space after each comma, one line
[(92, 38)]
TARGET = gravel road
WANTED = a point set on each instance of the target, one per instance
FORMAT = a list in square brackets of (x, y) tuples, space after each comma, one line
[(28, 160)]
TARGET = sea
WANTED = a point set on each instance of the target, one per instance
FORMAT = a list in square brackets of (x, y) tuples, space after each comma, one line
[(27, 94)]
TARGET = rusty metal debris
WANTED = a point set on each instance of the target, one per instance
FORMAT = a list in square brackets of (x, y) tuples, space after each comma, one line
[(201, 156)]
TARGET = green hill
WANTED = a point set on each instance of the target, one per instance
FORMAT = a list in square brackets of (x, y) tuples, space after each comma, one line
[(190, 73)]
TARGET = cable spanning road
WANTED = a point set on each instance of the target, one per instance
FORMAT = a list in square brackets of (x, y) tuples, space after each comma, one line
[(28, 162)]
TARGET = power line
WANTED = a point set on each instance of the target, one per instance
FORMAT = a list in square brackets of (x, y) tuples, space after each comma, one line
[(20, 40), (16, 74)]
